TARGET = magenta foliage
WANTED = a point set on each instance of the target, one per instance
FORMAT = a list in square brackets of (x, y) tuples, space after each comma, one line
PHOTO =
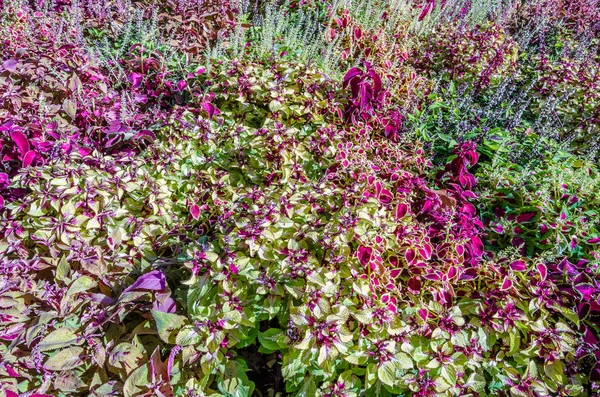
[(366, 90), (582, 287)]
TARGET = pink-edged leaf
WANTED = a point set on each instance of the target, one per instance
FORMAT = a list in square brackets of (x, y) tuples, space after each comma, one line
[(542, 270), (153, 281), (21, 141), (376, 82), (518, 266), (423, 313), (452, 272), (364, 255), (506, 284), (401, 210), (432, 277), (410, 256), (595, 240), (393, 308), (174, 352), (469, 274), (352, 73), (195, 211), (385, 197), (414, 285), (29, 158)]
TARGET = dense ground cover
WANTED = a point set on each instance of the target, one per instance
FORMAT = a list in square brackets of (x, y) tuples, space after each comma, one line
[(341, 198)]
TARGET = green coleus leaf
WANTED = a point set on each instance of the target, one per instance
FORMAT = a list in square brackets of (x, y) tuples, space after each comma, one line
[(404, 361), (476, 382), (167, 325), (554, 371), (126, 356), (270, 339), (65, 359), (387, 373), (137, 382), (81, 284), (234, 382), (188, 336), (58, 339), (377, 390)]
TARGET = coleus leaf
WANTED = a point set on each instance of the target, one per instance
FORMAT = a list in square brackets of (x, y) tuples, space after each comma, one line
[(195, 211), (518, 266), (10, 65), (21, 141), (210, 109), (65, 359), (135, 79), (351, 74), (586, 291), (168, 324), (29, 158), (426, 10), (153, 281)]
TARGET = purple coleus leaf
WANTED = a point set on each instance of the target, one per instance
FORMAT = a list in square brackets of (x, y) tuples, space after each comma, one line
[(589, 337), (526, 217), (586, 291), (21, 141), (195, 211), (595, 240), (146, 135), (164, 303), (10, 65), (364, 255), (426, 10), (518, 266), (29, 158), (476, 246), (351, 74), (210, 109), (506, 284), (542, 271), (182, 85), (401, 210), (153, 281), (414, 285), (135, 79)]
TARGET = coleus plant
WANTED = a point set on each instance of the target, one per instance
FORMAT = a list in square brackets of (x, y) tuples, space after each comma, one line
[(57, 98), (552, 218), (370, 276)]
